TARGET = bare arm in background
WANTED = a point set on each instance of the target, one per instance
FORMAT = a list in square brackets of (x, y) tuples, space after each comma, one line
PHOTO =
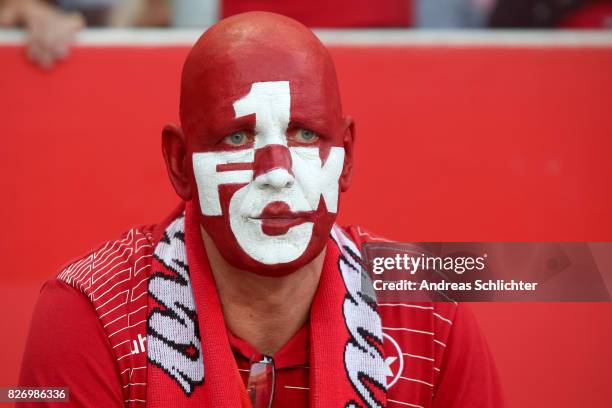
[(52, 30)]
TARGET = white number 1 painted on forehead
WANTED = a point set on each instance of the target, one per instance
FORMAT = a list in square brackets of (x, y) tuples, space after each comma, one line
[(271, 104)]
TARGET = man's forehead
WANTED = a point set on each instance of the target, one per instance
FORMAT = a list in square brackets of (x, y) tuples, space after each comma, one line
[(223, 67), (229, 78)]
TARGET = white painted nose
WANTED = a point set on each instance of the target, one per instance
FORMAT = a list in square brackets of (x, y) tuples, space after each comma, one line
[(276, 179)]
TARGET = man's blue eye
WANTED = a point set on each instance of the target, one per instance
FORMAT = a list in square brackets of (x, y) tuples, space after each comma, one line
[(307, 136), (237, 138)]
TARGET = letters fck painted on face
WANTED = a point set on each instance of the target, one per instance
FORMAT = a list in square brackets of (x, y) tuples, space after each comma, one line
[(268, 197)]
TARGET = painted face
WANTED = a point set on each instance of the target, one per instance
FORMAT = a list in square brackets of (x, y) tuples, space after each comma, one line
[(272, 188), (266, 149)]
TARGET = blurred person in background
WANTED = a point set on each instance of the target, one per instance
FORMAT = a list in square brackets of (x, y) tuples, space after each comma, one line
[(587, 14), (52, 26), (50, 29), (452, 13)]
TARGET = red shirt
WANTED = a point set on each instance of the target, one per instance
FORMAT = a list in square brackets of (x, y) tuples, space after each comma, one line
[(435, 353)]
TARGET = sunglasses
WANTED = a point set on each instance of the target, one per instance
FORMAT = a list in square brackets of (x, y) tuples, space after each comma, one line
[(260, 386)]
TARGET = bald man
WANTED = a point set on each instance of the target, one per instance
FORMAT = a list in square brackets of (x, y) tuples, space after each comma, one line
[(248, 294)]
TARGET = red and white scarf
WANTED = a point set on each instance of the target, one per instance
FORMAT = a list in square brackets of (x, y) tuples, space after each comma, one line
[(190, 362)]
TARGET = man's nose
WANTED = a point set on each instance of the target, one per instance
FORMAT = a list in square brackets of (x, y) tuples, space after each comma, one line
[(272, 167)]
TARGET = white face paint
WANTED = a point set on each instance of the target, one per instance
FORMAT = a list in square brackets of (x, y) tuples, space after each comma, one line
[(301, 191)]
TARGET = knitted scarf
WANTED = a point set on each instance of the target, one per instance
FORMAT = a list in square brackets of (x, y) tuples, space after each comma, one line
[(190, 362)]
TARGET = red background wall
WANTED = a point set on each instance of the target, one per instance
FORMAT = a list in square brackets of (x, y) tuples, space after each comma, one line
[(496, 144)]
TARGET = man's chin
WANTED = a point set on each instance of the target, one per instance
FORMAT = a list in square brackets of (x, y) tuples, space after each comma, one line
[(278, 270)]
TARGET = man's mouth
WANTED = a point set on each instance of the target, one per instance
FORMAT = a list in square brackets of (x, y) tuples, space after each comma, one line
[(277, 218)]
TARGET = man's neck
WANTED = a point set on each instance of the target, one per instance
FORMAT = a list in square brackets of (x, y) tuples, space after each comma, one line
[(264, 311)]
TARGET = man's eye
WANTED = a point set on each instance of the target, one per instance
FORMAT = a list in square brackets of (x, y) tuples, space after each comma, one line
[(306, 136), (236, 139)]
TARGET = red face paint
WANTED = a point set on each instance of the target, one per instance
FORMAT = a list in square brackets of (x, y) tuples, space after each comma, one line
[(268, 195)]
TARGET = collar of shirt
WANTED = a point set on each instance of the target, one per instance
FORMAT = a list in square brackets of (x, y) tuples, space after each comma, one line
[(296, 352)]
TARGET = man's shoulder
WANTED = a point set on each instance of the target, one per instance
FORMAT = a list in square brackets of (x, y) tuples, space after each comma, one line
[(120, 259), (423, 324), (115, 262), (103, 293)]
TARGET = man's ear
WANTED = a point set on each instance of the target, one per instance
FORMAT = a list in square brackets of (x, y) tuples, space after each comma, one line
[(175, 154), (348, 141)]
